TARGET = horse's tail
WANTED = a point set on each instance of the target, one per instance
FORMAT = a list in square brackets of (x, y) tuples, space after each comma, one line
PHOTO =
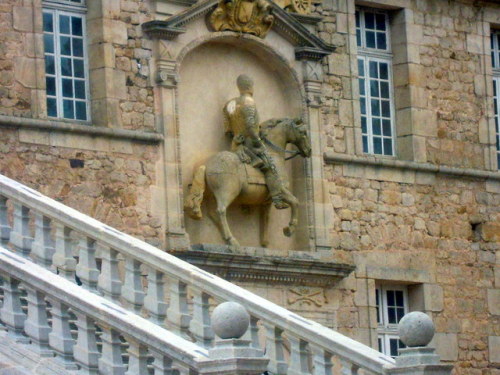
[(192, 203)]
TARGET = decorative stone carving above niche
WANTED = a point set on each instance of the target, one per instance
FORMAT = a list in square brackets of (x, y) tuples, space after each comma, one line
[(308, 46)]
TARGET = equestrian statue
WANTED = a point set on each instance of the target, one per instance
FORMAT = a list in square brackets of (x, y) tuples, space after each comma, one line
[(253, 172)]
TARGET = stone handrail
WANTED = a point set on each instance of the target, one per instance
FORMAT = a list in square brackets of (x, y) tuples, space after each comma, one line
[(309, 342), (144, 338)]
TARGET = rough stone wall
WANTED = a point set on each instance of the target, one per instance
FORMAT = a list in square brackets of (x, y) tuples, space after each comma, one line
[(16, 48), (113, 187)]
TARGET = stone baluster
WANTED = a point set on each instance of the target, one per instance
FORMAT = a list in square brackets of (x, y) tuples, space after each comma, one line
[(11, 313), (137, 357), (299, 364), (322, 361), (200, 325), (86, 268), (254, 332), (132, 290), (154, 302), (86, 353), (348, 368), (178, 313), (274, 349), (111, 362), (162, 364), (43, 247), (20, 236), (109, 282), (60, 337), (4, 221), (63, 258), (36, 326)]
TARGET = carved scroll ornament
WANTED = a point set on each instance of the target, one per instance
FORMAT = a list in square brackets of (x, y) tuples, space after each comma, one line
[(246, 16)]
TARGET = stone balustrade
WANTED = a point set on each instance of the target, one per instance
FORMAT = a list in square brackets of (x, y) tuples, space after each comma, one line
[(157, 286), (150, 349)]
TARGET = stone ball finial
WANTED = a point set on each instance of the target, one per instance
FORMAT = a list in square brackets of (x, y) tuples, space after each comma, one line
[(416, 329), (230, 320)]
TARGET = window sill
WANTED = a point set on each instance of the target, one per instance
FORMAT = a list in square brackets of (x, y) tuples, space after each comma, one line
[(334, 158), (69, 127)]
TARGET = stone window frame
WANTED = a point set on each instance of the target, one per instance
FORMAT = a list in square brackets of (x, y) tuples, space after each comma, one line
[(388, 331), (68, 8), (495, 67)]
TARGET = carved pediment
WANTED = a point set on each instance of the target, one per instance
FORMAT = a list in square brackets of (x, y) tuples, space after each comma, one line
[(307, 45)]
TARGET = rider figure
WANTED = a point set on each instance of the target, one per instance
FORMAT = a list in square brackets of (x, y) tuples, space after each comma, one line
[(241, 123)]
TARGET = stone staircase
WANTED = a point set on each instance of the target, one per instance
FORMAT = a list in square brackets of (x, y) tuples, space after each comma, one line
[(81, 297)]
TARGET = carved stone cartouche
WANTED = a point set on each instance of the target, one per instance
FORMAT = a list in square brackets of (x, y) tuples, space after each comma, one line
[(246, 16)]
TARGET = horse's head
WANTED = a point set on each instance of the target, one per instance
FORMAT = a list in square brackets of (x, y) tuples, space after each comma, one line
[(299, 136)]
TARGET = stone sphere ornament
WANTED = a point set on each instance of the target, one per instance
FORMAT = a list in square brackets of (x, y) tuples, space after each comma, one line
[(416, 329), (230, 320)]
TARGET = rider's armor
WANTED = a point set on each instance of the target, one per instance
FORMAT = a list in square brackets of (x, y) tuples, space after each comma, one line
[(241, 122)]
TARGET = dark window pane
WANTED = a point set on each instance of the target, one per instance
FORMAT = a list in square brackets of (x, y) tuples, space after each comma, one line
[(390, 298), (50, 83), (365, 144), (401, 313), (399, 298), (370, 39), (386, 108), (65, 45), (48, 43), (364, 130), (379, 344), (64, 24), (51, 107), (67, 88), (394, 347), (384, 89), (78, 47), (358, 23), (49, 65), (68, 109), (361, 67), (377, 148), (362, 87), (362, 105), (375, 107), (384, 71), (358, 37), (48, 24), (369, 20), (388, 151), (76, 26), (380, 21), (374, 88), (81, 111), (498, 159), (381, 41), (386, 127), (373, 69), (78, 68), (79, 89), (376, 126), (66, 67)]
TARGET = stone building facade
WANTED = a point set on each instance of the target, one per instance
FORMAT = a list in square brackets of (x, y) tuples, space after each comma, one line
[(403, 185)]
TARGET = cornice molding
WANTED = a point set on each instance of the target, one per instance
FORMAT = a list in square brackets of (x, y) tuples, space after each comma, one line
[(280, 270)]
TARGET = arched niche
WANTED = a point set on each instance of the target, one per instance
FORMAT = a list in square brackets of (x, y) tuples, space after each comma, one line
[(207, 80)]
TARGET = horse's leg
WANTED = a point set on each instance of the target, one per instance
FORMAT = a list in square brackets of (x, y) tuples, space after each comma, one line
[(225, 191), (265, 209), (289, 198)]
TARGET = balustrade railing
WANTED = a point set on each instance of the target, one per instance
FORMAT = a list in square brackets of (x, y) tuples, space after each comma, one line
[(164, 289), (150, 349)]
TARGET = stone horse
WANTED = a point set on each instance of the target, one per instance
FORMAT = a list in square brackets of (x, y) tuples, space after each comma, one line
[(230, 180)]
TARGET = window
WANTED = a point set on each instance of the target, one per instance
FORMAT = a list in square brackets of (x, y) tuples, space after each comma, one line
[(66, 72), (375, 82), (495, 60), (392, 305)]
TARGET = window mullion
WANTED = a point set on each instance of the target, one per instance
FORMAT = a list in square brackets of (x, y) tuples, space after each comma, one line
[(57, 62), (369, 119)]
